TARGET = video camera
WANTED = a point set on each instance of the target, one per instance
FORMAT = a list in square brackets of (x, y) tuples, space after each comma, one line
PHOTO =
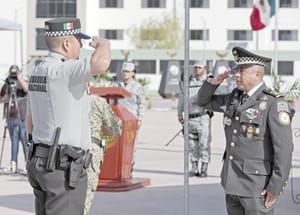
[(12, 75)]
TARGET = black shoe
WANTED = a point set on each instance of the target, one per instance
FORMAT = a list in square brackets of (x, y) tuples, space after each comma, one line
[(203, 172), (192, 174), (202, 175)]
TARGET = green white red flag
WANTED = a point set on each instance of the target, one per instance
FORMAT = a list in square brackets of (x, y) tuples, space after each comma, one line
[(261, 14)]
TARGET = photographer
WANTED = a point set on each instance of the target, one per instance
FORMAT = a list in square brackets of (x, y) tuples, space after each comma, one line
[(14, 96)]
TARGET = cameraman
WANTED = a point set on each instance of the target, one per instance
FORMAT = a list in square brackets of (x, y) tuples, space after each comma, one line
[(14, 96)]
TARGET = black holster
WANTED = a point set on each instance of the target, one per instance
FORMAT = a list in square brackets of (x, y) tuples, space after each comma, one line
[(74, 161)]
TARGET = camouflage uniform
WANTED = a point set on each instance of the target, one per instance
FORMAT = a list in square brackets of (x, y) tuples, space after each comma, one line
[(135, 104), (103, 117), (199, 126)]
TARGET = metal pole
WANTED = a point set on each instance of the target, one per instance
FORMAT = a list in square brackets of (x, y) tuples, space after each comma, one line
[(15, 38), (256, 33), (186, 103), (276, 37), (204, 37)]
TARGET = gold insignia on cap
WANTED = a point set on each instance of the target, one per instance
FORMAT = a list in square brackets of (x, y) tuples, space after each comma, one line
[(235, 55), (284, 118)]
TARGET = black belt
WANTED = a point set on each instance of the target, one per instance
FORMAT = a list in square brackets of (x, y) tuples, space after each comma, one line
[(195, 115), (42, 150)]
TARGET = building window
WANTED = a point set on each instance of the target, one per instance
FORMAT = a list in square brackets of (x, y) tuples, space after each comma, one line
[(111, 34), (240, 3), (145, 66), (288, 4), (239, 35), (199, 3), (40, 42), (285, 68), (199, 35), (286, 35), (111, 3), (55, 8), (153, 3)]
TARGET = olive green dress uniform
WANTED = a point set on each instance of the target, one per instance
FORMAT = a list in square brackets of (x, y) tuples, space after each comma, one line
[(259, 145)]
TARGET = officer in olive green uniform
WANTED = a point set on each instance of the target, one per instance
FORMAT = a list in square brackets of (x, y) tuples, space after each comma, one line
[(259, 146), (101, 118)]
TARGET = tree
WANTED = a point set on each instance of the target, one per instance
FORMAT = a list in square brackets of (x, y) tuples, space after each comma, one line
[(157, 34)]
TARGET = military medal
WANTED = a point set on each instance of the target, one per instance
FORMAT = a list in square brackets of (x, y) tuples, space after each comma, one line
[(252, 113), (250, 131), (226, 121), (263, 105)]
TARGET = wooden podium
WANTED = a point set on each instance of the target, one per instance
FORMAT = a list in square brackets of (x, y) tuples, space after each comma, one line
[(115, 174)]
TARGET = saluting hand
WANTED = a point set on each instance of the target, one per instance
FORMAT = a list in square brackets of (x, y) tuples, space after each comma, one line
[(97, 41), (218, 79), (270, 198)]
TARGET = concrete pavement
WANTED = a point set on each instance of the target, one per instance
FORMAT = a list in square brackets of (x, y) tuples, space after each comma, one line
[(164, 165)]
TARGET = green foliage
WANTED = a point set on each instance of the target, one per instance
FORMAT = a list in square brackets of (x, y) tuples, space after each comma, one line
[(290, 90), (143, 81), (158, 34), (101, 80)]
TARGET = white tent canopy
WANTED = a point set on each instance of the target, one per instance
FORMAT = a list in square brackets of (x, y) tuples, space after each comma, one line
[(6, 25)]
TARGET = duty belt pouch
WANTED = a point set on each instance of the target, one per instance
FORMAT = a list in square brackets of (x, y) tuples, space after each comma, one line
[(30, 151), (75, 170), (87, 159)]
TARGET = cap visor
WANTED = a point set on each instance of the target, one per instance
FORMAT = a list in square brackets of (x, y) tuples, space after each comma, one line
[(84, 36), (242, 66)]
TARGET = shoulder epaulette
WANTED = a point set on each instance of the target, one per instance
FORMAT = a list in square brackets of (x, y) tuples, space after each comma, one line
[(273, 93)]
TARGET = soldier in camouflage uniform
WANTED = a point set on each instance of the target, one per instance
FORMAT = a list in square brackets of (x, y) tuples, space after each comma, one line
[(103, 117), (199, 124), (136, 103), (259, 145)]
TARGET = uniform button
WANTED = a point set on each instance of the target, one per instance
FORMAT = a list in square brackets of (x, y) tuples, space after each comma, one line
[(232, 144), (230, 157), (237, 118), (256, 171), (234, 131)]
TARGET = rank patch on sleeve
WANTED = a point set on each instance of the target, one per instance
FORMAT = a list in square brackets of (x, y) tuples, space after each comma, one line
[(282, 106), (284, 118)]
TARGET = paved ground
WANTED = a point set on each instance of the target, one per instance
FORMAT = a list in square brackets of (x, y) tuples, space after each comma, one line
[(164, 165)]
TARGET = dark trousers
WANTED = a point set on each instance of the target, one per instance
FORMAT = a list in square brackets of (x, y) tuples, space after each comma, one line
[(237, 205), (52, 194)]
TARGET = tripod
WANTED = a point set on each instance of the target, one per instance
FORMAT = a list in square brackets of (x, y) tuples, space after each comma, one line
[(11, 109)]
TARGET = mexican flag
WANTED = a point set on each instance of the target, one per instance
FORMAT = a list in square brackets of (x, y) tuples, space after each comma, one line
[(262, 11)]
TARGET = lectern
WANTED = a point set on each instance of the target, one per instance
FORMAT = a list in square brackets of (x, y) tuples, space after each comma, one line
[(115, 174)]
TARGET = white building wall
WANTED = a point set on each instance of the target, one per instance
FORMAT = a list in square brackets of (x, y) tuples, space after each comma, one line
[(218, 18)]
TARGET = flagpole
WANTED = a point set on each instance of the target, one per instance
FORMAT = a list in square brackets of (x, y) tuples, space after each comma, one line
[(276, 38), (186, 103), (256, 45)]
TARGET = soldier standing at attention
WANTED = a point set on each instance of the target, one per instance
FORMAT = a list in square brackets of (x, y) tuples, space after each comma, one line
[(136, 103), (259, 145), (104, 119), (58, 98), (199, 123)]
